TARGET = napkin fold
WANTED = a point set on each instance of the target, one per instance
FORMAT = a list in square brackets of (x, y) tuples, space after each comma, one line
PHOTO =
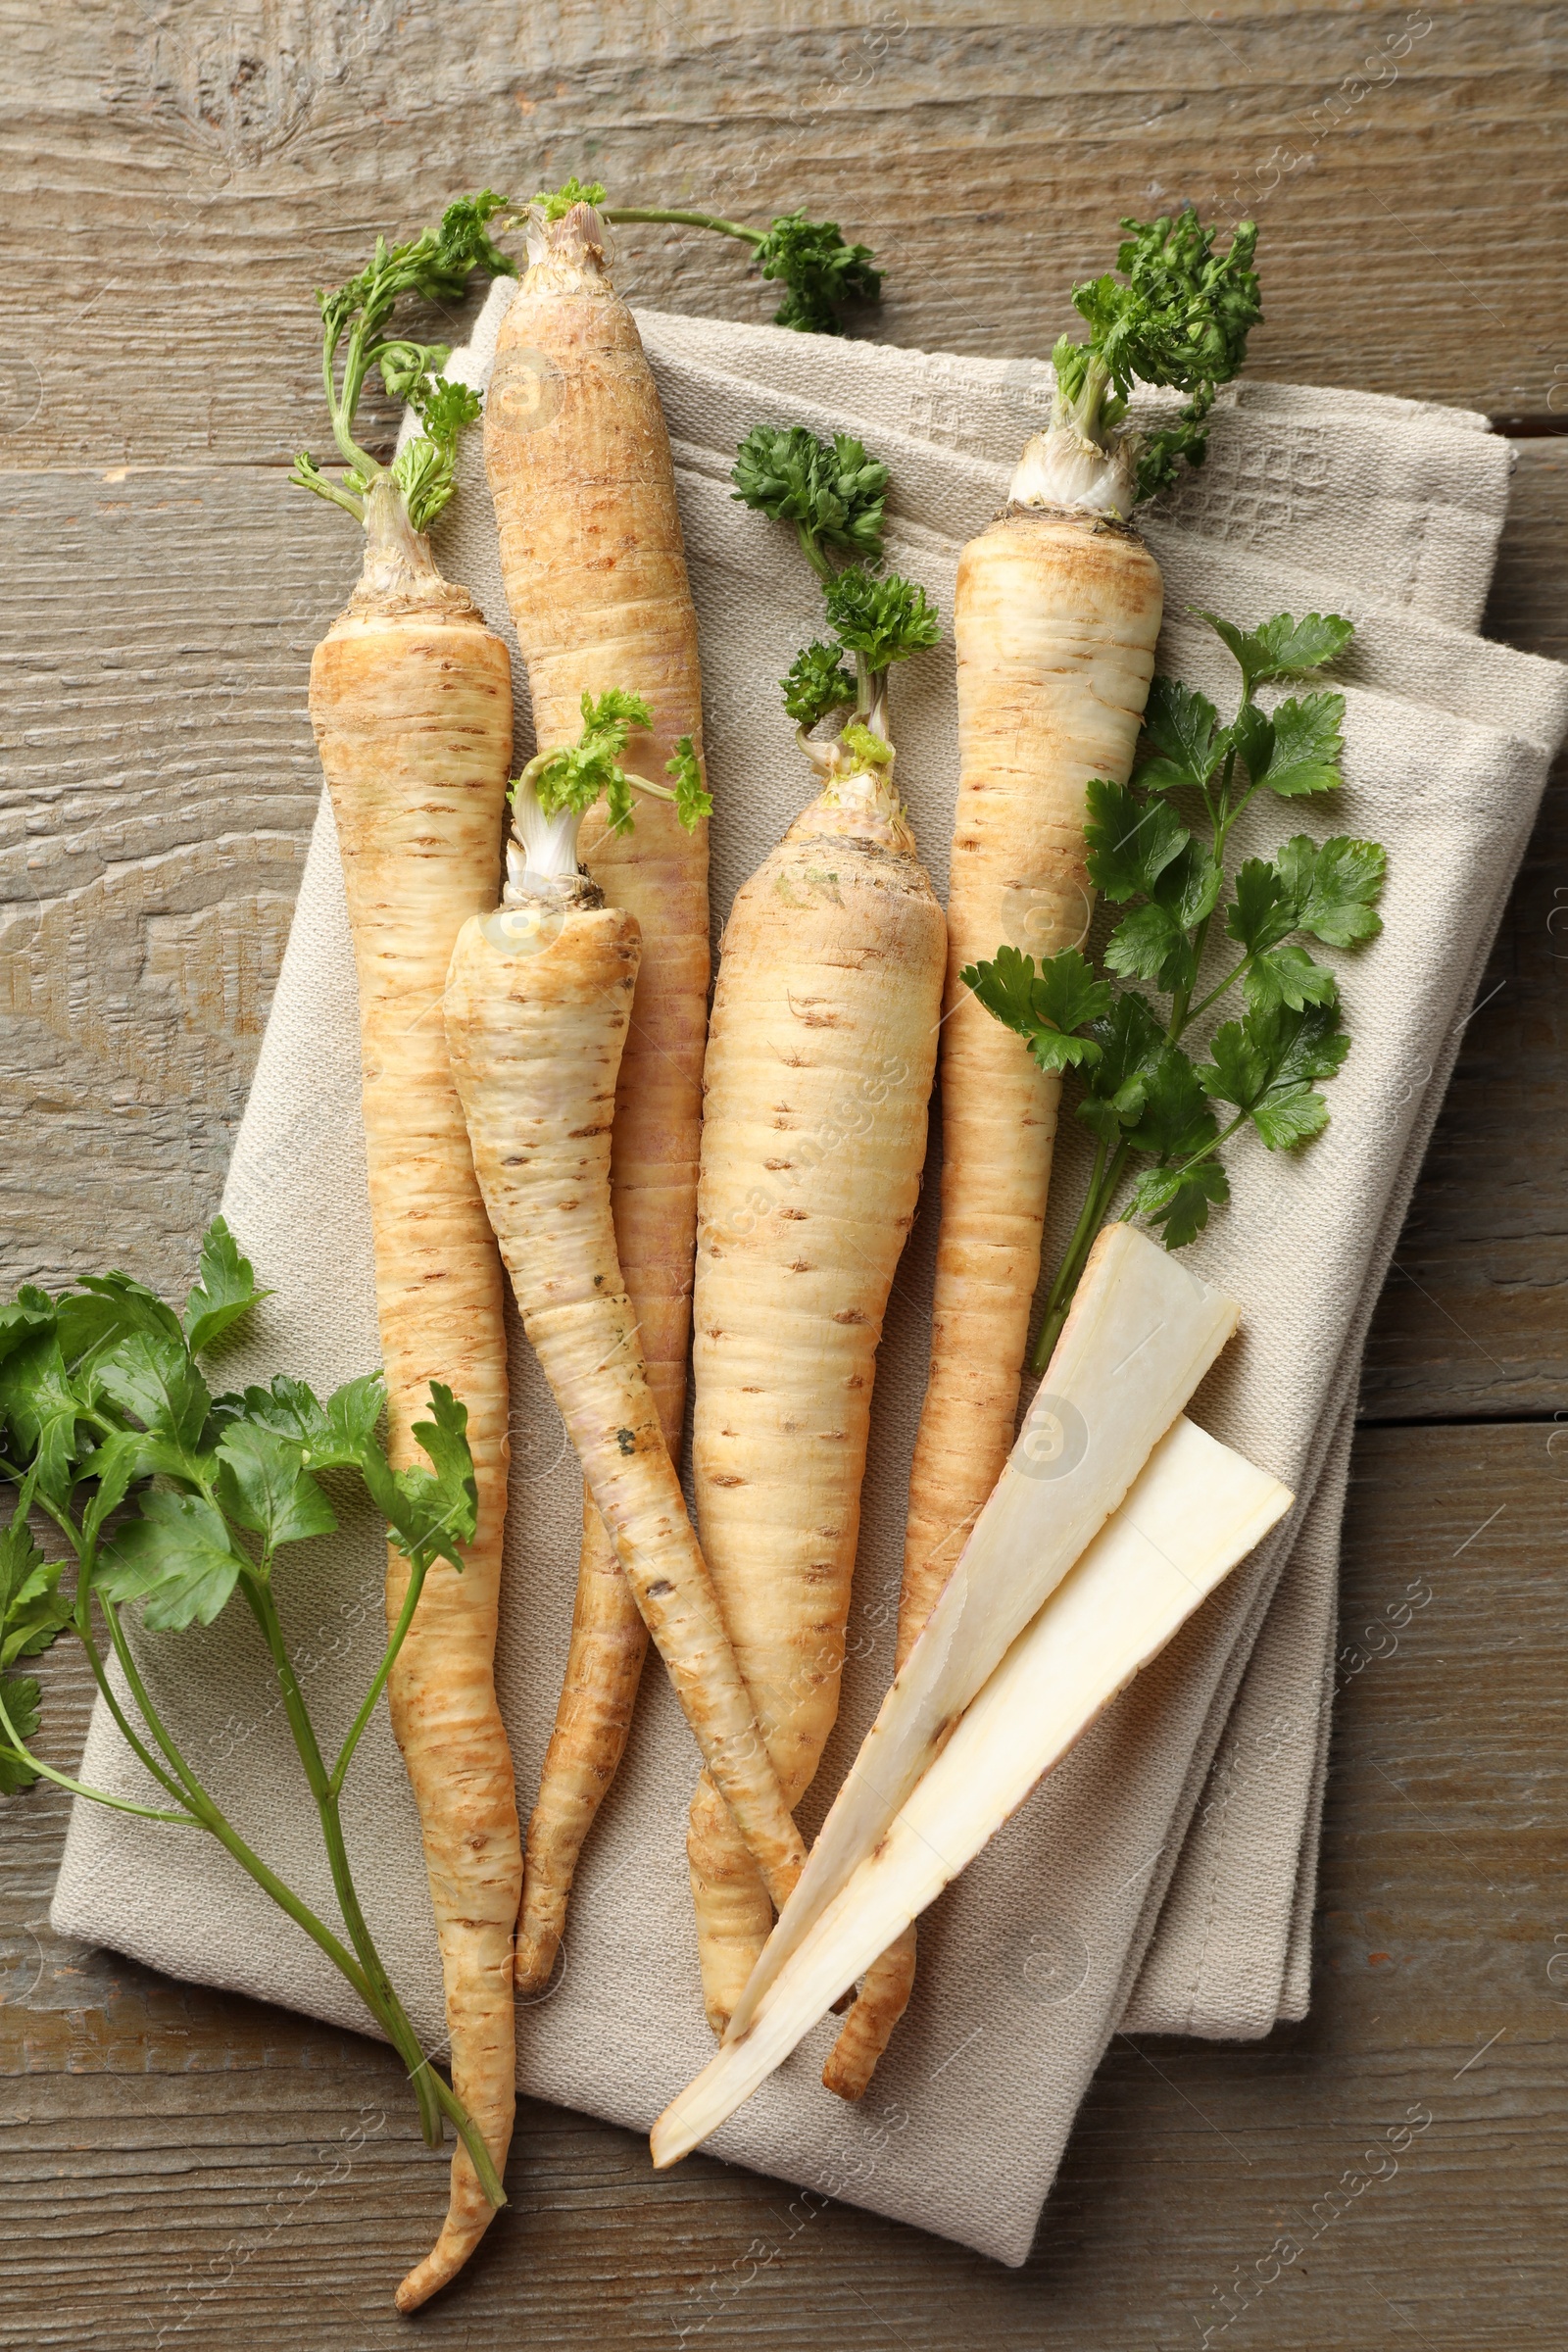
[(1162, 1878)]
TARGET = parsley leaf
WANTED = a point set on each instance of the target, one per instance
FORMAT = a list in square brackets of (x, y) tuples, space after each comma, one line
[(1131, 1041), (816, 683), (833, 495), (1306, 746), (820, 270), (177, 1557), (263, 1485), (225, 1292), (155, 1380), (1335, 889), (693, 800), (556, 203), (885, 620), (1178, 1199), (1183, 726), (1266, 1063), (1131, 842), (41, 1410), (1282, 648), (1175, 1121), (430, 1515), (34, 1612), (582, 773), (1048, 1009)]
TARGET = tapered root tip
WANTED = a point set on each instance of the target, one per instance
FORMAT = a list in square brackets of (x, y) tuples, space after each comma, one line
[(469, 2217), (666, 2146), (535, 1962)]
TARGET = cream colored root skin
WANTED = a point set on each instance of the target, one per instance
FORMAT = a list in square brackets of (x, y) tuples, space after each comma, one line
[(410, 697), (1142, 1333), (1195, 1512), (816, 1085), (536, 1042), (1056, 618), (584, 485)]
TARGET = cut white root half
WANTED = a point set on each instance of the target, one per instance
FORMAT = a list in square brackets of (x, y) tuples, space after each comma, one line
[(1141, 1334), (1197, 1510)]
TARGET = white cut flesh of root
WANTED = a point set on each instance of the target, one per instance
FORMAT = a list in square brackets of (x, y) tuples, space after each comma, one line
[(1141, 1334), (1197, 1510)]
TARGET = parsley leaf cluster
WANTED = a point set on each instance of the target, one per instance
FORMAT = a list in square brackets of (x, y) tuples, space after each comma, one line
[(436, 265), (834, 495), (1157, 849), (1179, 315), (576, 775)]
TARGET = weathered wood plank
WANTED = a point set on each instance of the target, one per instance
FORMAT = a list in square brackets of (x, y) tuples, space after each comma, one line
[(169, 2157), (189, 174)]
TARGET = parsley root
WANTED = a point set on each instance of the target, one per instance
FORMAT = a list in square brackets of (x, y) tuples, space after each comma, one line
[(411, 699), (1056, 610), (538, 1003), (818, 1072), (584, 485)]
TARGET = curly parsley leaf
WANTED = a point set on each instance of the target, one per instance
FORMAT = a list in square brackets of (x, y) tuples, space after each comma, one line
[(821, 271), (817, 683), (589, 769), (884, 620), (693, 800), (556, 203), (1184, 728), (833, 493)]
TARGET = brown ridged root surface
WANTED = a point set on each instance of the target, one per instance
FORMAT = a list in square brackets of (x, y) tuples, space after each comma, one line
[(536, 1042), (1056, 618), (591, 553), (817, 1079), (410, 697)]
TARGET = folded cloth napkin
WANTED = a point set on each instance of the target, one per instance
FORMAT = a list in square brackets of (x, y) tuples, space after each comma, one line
[(1120, 1893)]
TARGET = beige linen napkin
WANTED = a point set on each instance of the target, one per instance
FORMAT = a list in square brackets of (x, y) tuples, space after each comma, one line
[(1120, 1892)]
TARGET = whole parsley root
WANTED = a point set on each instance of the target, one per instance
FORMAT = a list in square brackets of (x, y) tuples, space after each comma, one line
[(579, 463), (101, 1396), (1057, 607), (817, 1084), (411, 699), (538, 1003)]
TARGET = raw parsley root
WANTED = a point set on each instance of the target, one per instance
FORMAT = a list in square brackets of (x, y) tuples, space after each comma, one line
[(819, 1071), (1056, 610), (537, 1006), (100, 1395), (411, 699), (819, 271), (1145, 1100), (595, 572)]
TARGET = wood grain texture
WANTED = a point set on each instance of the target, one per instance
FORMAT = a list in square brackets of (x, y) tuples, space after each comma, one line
[(169, 2157), (177, 2167)]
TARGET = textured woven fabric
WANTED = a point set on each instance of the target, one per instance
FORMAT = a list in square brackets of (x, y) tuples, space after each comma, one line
[(1163, 1878)]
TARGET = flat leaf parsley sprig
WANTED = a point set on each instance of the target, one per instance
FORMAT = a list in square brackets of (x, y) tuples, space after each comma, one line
[(172, 1500), (1144, 1097)]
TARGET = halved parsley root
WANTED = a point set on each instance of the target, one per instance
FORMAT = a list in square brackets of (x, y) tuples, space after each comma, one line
[(410, 698), (591, 553), (820, 1063), (538, 1002), (1056, 612)]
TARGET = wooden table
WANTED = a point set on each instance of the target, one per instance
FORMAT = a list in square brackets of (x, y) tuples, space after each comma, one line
[(181, 175)]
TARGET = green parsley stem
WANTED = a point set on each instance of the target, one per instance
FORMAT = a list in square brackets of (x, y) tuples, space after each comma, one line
[(724, 229), (411, 1601), (1215, 994), (18, 1748), (1107, 1174), (263, 1608)]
